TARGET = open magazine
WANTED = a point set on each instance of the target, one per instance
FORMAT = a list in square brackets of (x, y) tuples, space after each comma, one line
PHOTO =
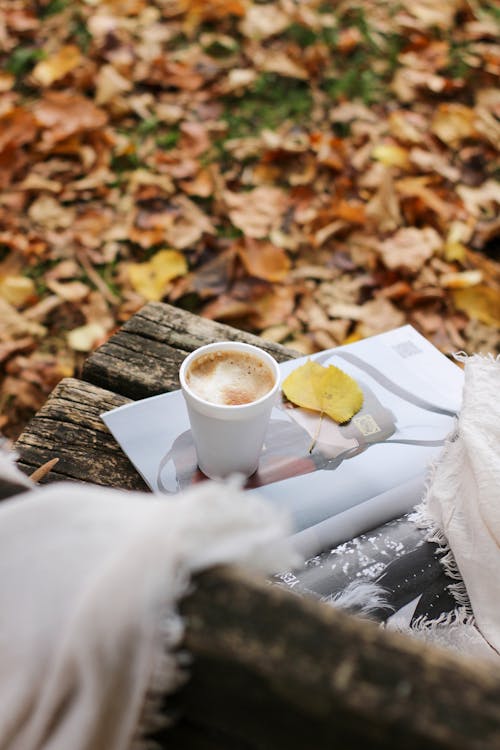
[(335, 481)]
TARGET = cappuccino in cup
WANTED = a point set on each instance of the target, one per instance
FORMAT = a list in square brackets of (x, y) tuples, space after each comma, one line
[(230, 377), (229, 389)]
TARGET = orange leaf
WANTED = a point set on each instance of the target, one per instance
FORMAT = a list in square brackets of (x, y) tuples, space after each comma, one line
[(264, 260), (351, 211), (63, 115)]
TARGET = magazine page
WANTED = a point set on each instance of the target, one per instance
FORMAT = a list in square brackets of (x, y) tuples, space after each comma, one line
[(362, 473)]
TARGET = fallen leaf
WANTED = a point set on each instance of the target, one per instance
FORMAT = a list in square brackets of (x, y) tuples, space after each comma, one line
[(328, 390), (410, 248), (263, 21), (461, 280), (264, 260), (62, 114), (110, 84), (282, 64), (391, 155), (71, 291), (151, 278), (17, 127), (17, 290), (452, 123), (189, 224), (58, 65), (85, 338), (480, 302), (257, 211), (481, 201), (383, 208)]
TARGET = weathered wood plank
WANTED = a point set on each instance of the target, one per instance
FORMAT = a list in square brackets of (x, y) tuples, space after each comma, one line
[(143, 358), (276, 670), (69, 427)]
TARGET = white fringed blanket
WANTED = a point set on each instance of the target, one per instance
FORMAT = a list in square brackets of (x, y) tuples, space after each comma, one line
[(89, 584), (461, 510)]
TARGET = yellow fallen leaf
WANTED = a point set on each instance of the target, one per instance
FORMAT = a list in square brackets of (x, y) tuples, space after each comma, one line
[(480, 302), (151, 278), (58, 65), (452, 123), (299, 386), (328, 390), (17, 289), (341, 397), (391, 155)]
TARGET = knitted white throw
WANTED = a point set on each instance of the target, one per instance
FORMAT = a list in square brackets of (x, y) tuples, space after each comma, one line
[(461, 508), (89, 584)]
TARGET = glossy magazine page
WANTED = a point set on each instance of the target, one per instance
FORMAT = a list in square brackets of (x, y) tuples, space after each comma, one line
[(336, 481)]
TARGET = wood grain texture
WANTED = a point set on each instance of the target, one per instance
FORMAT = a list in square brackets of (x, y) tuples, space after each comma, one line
[(143, 358), (69, 427), (275, 670)]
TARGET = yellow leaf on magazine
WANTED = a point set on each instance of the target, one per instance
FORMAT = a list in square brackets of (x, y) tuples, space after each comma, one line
[(341, 397), (325, 389)]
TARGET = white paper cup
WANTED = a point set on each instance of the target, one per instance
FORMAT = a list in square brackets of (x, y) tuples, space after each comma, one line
[(228, 439)]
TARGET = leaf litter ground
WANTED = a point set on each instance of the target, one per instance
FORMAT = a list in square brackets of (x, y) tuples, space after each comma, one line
[(315, 172)]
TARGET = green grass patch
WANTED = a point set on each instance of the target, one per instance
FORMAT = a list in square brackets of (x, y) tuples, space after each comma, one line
[(23, 60), (269, 102), (53, 7), (169, 139)]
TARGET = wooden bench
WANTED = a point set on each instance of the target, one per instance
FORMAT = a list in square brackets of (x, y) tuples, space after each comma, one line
[(271, 669)]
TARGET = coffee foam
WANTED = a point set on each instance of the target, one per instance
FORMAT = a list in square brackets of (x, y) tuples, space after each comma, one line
[(229, 377)]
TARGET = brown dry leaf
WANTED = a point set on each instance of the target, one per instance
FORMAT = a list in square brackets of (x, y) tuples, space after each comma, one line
[(189, 224), (263, 21), (210, 10), (70, 291), (273, 307), (13, 324), (410, 248), (202, 185), (226, 307), (416, 187), (462, 280), (8, 348), (62, 115), (258, 211), (151, 278), (453, 122), (58, 65), (327, 390), (430, 161), (383, 208), (279, 62), (86, 337), (210, 279), (481, 201), (408, 126), (430, 13), (378, 315), (110, 84), (264, 260), (480, 302), (17, 127)]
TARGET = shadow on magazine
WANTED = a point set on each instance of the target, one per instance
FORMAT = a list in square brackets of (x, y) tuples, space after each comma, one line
[(301, 441)]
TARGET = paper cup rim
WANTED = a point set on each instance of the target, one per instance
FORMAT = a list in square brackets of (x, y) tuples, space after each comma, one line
[(227, 346)]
